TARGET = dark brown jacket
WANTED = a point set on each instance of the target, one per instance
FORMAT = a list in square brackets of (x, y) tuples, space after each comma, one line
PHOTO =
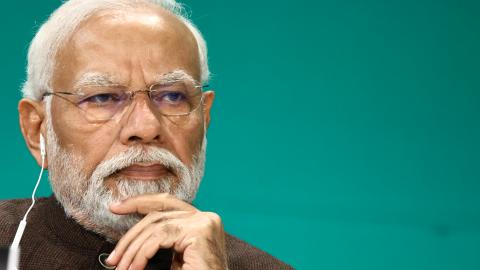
[(54, 241)]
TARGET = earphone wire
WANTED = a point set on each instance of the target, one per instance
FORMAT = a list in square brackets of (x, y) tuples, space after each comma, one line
[(23, 222), (35, 189), (13, 256)]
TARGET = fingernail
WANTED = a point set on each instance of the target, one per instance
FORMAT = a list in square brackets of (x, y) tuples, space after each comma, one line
[(110, 257)]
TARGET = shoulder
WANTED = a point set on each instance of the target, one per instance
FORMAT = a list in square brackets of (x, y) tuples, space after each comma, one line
[(10, 215), (11, 212), (242, 255)]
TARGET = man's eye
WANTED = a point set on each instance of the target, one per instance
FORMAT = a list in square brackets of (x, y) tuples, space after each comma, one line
[(170, 97), (174, 97), (101, 99)]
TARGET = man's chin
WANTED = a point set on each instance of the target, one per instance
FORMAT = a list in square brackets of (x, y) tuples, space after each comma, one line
[(99, 219)]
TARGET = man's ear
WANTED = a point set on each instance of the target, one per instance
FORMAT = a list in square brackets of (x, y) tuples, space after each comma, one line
[(209, 96), (32, 123)]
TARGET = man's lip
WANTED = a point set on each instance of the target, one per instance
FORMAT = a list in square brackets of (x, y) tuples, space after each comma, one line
[(144, 172)]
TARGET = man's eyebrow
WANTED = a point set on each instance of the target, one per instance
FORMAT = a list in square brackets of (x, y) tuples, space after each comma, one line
[(102, 79), (95, 79), (174, 76)]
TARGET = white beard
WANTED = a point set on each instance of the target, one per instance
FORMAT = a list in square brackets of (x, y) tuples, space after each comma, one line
[(87, 199)]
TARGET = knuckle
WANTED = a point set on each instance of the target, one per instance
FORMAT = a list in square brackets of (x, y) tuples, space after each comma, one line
[(158, 232), (212, 219), (215, 217), (172, 229)]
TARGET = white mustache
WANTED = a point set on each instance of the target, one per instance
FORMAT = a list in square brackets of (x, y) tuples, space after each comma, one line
[(140, 154)]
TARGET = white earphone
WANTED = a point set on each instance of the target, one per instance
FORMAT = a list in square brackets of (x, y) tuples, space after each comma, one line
[(42, 146), (14, 253)]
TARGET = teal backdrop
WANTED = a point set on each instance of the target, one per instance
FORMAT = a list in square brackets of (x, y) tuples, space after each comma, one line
[(345, 134)]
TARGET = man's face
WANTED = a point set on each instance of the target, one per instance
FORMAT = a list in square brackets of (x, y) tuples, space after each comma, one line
[(138, 150)]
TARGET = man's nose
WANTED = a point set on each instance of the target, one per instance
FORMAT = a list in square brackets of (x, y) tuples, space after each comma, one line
[(140, 124)]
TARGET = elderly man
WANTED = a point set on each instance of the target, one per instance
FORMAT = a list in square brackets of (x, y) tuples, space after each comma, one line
[(116, 89)]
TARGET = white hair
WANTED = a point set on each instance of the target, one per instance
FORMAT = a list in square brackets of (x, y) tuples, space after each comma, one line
[(56, 31)]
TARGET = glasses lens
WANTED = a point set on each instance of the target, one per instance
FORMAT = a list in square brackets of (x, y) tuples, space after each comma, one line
[(102, 103), (179, 98)]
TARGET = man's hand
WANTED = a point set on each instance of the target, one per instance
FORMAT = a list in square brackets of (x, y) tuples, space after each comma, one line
[(196, 237)]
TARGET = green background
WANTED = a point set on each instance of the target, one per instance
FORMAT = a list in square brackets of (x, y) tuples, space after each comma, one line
[(345, 134)]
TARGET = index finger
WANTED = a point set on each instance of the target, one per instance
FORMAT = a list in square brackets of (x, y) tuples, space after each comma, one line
[(144, 204)]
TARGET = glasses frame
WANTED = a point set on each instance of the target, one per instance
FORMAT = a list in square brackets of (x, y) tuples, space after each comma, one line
[(130, 95)]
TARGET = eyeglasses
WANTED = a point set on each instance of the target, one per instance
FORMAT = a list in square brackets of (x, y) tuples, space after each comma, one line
[(102, 103)]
